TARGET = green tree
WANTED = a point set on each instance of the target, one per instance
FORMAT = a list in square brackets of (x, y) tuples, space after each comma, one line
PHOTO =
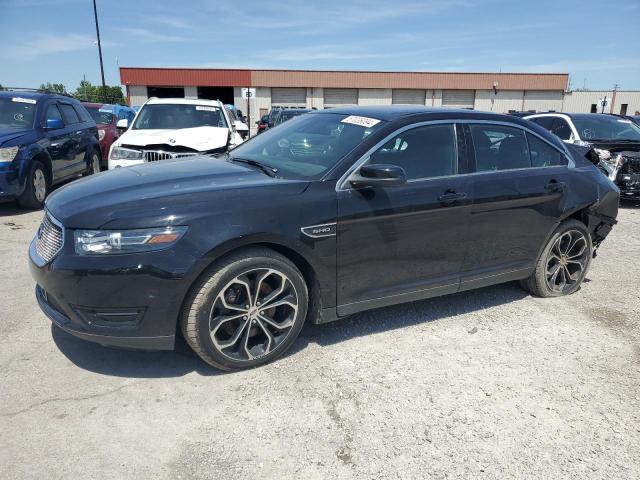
[(88, 92), (52, 87)]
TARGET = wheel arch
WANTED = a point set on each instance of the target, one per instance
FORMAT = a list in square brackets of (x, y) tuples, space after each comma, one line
[(38, 155), (284, 248)]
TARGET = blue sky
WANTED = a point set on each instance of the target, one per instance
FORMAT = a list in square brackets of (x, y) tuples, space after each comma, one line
[(52, 40)]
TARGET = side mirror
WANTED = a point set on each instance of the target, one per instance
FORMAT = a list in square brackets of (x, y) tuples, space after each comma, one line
[(379, 176), (123, 123), (53, 124)]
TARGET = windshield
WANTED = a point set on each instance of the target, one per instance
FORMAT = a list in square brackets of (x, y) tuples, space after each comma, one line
[(604, 127), (175, 116), (100, 116), (306, 147), (17, 112)]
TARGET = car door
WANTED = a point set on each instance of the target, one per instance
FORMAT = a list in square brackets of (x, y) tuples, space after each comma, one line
[(519, 193), (59, 142), (79, 141), (401, 243)]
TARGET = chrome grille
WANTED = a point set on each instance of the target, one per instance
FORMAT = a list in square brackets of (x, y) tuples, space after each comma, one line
[(49, 238), (155, 155)]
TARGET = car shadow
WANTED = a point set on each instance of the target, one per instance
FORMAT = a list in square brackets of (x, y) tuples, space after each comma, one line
[(181, 361), (11, 209)]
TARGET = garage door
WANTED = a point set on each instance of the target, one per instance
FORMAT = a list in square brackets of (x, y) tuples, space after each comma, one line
[(336, 97), (411, 97), (458, 98), (289, 97)]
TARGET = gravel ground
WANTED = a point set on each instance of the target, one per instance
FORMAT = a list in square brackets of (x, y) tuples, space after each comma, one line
[(486, 384)]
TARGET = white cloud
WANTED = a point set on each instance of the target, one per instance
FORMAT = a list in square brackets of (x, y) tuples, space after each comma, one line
[(149, 36), (47, 44)]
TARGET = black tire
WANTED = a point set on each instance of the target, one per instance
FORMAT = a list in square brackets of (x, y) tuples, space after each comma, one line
[(94, 164), (36, 188), (201, 311), (542, 282)]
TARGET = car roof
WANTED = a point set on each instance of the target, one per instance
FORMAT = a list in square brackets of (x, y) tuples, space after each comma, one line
[(33, 95), (396, 112), (183, 101)]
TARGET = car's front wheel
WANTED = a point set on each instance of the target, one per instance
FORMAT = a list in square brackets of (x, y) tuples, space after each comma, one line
[(36, 188), (246, 311), (563, 263)]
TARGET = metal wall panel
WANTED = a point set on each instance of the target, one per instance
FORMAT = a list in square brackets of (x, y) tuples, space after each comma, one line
[(289, 97), (458, 98), (336, 97), (543, 101), (408, 96)]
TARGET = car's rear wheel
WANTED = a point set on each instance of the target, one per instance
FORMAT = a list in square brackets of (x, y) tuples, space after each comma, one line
[(246, 311), (563, 263), (36, 188), (94, 167)]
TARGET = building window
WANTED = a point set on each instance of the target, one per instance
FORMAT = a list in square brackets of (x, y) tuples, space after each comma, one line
[(594, 108), (623, 108)]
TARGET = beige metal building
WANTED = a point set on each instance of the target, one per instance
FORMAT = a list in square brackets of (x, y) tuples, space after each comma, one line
[(498, 92)]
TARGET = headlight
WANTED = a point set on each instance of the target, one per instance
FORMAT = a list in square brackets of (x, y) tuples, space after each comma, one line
[(100, 242), (119, 153), (101, 133), (8, 154)]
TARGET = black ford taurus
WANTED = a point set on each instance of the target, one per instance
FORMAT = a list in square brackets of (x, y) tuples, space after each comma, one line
[(331, 213)]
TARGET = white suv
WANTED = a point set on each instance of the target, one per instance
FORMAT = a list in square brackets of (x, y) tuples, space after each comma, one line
[(167, 128)]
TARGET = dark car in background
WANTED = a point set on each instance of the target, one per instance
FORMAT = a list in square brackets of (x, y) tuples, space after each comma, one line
[(280, 115), (106, 117), (614, 139), (44, 139), (331, 213), (263, 123)]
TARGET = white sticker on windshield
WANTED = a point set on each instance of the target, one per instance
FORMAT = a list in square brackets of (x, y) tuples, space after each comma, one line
[(207, 109), (624, 121), (106, 109), (362, 121), (23, 100)]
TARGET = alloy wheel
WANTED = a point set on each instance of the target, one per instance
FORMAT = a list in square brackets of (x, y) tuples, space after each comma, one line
[(39, 185), (567, 261), (253, 314), (95, 164)]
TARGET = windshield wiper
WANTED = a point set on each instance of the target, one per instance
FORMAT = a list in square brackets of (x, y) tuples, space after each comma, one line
[(269, 170)]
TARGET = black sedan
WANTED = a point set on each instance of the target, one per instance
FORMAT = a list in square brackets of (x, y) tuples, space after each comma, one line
[(332, 213)]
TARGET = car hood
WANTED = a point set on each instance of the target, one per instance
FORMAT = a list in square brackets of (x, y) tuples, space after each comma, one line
[(162, 193), (8, 134), (197, 138), (615, 146)]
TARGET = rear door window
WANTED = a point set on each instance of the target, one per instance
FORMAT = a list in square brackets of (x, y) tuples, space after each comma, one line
[(543, 154), (499, 147), (83, 114), (69, 115)]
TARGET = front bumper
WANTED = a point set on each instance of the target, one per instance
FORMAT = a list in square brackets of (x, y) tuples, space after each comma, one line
[(65, 323), (10, 185), (131, 300)]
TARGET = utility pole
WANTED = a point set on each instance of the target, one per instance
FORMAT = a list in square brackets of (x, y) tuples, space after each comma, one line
[(613, 97), (104, 86)]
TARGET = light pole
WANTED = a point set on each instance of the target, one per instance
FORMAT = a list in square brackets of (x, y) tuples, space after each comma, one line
[(104, 86)]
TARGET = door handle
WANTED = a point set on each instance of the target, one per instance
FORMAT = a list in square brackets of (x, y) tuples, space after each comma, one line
[(450, 197), (555, 186)]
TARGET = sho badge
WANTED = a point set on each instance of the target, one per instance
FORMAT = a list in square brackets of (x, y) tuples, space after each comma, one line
[(319, 231)]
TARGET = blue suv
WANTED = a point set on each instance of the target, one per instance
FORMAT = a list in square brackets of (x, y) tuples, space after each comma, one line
[(44, 139)]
